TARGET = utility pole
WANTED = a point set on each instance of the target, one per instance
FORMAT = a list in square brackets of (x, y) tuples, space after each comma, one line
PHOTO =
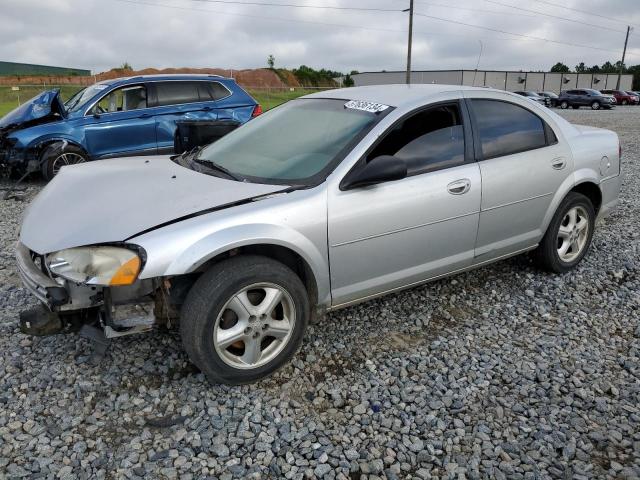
[(624, 52), (410, 10)]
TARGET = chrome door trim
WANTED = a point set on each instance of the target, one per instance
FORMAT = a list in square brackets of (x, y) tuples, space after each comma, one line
[(391, 232), (427, 280)]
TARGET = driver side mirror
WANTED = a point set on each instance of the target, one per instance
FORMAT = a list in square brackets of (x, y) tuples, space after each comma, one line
[(384, 168)]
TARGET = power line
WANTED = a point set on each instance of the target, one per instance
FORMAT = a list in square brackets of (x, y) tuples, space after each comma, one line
[(522, 35), (297, 5), (582, 11), (468, 9), (555, 16), (259, 17)]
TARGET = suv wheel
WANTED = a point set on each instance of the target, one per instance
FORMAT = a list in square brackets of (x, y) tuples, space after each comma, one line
[(243, 319), (625, 102), (56, 156), (564, 104), (595, 105), (568, 237)]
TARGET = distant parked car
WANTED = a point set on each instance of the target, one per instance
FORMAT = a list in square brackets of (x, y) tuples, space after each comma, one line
[(634, 94), (115, 118), (535, 97), (585, 98), (553, 98), (622, 97)]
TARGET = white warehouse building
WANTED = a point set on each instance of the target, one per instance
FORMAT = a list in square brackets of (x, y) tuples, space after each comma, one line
[(505, 80)]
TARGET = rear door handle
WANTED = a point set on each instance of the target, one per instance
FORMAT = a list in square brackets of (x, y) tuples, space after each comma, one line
[(558, 163), (459, 187), (145, 115)]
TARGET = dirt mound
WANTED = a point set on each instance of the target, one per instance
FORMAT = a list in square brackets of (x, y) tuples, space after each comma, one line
[(259, 77)]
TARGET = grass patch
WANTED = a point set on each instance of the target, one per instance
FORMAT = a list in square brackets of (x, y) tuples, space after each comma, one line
[(270, 98)]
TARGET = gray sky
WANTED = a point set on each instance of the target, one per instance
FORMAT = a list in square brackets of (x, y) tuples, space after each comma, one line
[(101, 34)]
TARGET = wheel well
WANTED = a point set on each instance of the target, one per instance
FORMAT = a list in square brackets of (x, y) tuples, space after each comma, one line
[(592, 192), (281, 254), (40, 147)]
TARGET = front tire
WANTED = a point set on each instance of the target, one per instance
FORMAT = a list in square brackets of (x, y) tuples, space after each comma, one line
[(595, 106), (57, 156), (569, 235), (564, 105), (625, 102), (243, 319)]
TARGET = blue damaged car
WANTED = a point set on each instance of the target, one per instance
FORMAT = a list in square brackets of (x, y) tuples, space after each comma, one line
[(115, 118)]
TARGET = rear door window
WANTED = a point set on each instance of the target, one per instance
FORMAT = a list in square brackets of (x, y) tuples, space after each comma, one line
[(177, 92), (505, 128)]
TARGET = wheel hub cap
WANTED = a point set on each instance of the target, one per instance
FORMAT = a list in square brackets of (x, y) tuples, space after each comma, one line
[(254, 326), (573, 234)]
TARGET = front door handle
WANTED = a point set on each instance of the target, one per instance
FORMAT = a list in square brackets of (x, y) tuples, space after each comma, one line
[(459, 187), (558, 163), (145, 115)]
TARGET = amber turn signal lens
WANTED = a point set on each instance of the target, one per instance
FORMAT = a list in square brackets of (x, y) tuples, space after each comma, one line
[(127, 273)]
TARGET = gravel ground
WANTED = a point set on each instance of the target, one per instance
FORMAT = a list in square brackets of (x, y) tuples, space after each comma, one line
[(504, 372)]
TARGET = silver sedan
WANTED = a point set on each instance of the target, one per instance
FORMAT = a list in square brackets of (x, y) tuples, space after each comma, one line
[(326, 201)]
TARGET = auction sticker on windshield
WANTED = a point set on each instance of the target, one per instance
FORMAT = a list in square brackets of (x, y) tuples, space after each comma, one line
[(366, 106)]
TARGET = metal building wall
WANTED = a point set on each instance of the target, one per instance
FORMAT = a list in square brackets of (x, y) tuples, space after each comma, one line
[(512, 81), (534, 81), (11, 68), (495, 80)]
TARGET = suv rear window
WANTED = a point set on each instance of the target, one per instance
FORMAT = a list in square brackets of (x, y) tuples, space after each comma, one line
[(506, 128), (178, 92)]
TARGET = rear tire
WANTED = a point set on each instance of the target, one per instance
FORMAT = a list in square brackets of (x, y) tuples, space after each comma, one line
[(564, 105), (568, 236), (229, 325), (58, 155), (595, 106)]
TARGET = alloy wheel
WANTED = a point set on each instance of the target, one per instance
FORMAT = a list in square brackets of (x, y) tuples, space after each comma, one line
[(68, 158), (573, 234), (254, 326)]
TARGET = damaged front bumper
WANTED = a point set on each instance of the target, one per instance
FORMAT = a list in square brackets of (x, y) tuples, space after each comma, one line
[(67, 306)]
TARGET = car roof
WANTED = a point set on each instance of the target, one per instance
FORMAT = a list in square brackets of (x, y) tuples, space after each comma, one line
[(160, 77), (394, 95)]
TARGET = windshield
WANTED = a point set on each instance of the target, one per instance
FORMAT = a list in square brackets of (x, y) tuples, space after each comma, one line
[(80, 98), (293, 144)]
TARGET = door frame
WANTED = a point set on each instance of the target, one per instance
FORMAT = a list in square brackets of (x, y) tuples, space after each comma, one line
[(469, 140)]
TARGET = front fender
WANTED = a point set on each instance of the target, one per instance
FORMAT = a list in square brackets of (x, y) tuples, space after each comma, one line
[(221, 241)]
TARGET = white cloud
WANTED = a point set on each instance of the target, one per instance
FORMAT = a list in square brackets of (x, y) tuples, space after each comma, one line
[(101, 34)]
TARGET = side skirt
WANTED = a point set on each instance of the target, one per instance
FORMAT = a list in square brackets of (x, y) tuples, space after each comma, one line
[(430, 279)]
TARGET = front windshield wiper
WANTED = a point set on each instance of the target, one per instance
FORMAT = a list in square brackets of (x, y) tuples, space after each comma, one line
[(214, 166)]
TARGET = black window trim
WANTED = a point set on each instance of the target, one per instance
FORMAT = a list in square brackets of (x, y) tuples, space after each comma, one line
[(477, 144), (466, 127)]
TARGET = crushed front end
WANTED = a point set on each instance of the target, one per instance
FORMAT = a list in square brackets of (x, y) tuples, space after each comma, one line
[(71, 304)]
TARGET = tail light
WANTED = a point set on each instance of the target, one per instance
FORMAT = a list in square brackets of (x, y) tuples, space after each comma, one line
[(256, 111)]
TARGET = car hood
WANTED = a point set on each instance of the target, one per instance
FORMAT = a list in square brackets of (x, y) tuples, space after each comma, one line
[(39, 107), (113, 200)]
